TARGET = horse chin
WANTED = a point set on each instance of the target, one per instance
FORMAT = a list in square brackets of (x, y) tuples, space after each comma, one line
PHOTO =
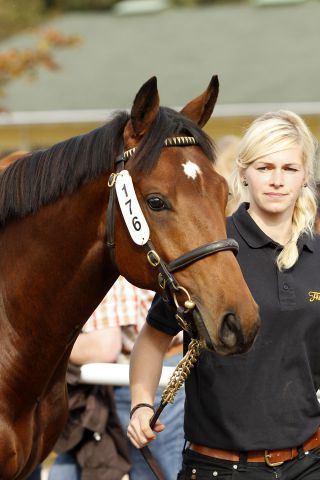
[(230, 339), (227, 351)]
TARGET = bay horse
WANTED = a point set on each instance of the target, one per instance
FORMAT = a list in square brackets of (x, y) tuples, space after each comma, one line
[(63, 243)]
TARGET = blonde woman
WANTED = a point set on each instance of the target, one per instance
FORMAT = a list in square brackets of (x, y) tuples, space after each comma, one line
[(255, 416)]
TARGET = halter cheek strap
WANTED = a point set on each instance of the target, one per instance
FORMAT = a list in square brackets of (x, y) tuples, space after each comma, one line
[(119, 164)]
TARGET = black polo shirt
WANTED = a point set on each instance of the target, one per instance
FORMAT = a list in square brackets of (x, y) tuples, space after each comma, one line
[(265, 398)]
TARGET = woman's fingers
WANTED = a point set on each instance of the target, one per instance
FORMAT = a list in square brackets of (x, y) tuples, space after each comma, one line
[(159, 427), (139, 430)]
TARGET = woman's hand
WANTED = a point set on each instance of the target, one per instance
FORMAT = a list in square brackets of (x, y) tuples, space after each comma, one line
[(145, 370), (139, 430)]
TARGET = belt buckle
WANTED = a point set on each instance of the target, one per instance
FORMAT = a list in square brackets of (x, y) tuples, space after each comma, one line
[(271, 464)]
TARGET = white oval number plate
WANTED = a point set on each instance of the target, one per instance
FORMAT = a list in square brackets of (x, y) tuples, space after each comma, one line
[(130, 208)]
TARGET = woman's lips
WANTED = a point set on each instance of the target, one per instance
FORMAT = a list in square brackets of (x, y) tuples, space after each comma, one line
[(275, 195)]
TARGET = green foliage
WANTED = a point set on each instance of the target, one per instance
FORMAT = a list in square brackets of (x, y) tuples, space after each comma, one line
[(26, 62)]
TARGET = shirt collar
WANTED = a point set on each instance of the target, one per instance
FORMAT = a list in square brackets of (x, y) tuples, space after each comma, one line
[(306, 242), (255, 237)]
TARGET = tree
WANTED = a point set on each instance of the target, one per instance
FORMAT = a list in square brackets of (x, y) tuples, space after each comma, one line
[(16, 63)]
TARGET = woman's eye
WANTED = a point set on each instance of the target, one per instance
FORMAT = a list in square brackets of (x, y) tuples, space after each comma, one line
[(156, 203)]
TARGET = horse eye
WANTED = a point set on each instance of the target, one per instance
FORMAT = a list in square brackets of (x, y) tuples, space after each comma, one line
[(156, 203)]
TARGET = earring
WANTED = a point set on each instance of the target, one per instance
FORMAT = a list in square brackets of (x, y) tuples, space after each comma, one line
[(244, 182), (305, 185)]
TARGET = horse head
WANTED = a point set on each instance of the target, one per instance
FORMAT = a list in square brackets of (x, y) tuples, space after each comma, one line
[(183, 200)]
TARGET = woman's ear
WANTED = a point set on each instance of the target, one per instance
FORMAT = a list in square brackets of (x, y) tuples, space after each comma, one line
[(242, 174)]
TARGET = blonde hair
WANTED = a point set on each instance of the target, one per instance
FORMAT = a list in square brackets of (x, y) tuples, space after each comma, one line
[(271, 133), (227, 148)]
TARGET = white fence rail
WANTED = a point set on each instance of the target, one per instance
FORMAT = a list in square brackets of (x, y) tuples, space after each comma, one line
[(101, 115), (114, 374), (118, 374)]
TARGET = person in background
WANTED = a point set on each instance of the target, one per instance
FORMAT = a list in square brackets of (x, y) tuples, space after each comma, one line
[(109, 336), (255, 416), (92, 444)]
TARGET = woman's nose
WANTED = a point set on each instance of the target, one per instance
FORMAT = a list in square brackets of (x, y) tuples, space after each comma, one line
[(277, 178)]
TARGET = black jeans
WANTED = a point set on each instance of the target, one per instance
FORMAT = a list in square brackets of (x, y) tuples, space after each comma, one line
[(201, 467)]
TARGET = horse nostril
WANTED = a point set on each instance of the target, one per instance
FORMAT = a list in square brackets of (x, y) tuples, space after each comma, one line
[(230, 332)]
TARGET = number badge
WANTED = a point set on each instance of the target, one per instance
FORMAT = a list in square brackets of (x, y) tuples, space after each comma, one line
[(130, 208)]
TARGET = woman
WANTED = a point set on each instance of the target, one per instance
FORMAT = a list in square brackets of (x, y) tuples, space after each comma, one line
[(255, 416)]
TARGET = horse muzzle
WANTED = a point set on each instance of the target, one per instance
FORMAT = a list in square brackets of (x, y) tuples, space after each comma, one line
[(230, 339)]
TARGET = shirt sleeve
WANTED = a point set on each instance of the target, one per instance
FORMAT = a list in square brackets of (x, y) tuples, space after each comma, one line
[(161, 317), (123, 305)]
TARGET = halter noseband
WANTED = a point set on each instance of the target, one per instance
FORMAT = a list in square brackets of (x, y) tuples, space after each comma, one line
[(166, 280)]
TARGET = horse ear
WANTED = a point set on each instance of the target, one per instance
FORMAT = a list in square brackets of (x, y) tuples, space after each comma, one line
[(144, 110), (200, 109)]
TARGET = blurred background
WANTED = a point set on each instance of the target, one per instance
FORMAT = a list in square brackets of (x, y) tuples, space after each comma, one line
[(66, 64)]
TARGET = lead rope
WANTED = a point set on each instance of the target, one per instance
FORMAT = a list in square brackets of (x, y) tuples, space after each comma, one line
[(176, 381)]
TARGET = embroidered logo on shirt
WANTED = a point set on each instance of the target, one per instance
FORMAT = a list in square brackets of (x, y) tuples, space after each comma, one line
[(314, 296)]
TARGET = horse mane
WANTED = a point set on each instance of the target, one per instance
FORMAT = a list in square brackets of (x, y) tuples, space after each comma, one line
[(42, 177)]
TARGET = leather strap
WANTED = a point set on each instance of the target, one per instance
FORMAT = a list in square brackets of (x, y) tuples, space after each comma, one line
[(145, 451), (119, 164), (270, 457), (201, 252), (152, 463)]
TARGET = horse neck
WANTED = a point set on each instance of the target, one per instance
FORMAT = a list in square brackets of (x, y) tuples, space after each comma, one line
[(55, 269)]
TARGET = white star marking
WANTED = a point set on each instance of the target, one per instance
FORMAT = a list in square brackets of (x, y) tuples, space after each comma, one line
[(191, 169)]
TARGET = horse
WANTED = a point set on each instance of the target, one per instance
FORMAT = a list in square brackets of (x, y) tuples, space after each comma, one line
[(64, 241)]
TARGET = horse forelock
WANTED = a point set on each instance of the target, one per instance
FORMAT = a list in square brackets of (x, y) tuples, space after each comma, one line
[(44, 176), (168, 123)]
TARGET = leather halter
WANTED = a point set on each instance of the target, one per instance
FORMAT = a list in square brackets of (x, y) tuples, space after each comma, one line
[(165, 271)]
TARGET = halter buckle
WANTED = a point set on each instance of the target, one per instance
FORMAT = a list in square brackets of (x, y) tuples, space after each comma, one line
[(153, 258)]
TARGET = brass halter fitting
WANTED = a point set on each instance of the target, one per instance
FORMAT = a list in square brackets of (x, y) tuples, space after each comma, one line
[(162, 281), (112, 179), (188, 304), (153, 258)]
